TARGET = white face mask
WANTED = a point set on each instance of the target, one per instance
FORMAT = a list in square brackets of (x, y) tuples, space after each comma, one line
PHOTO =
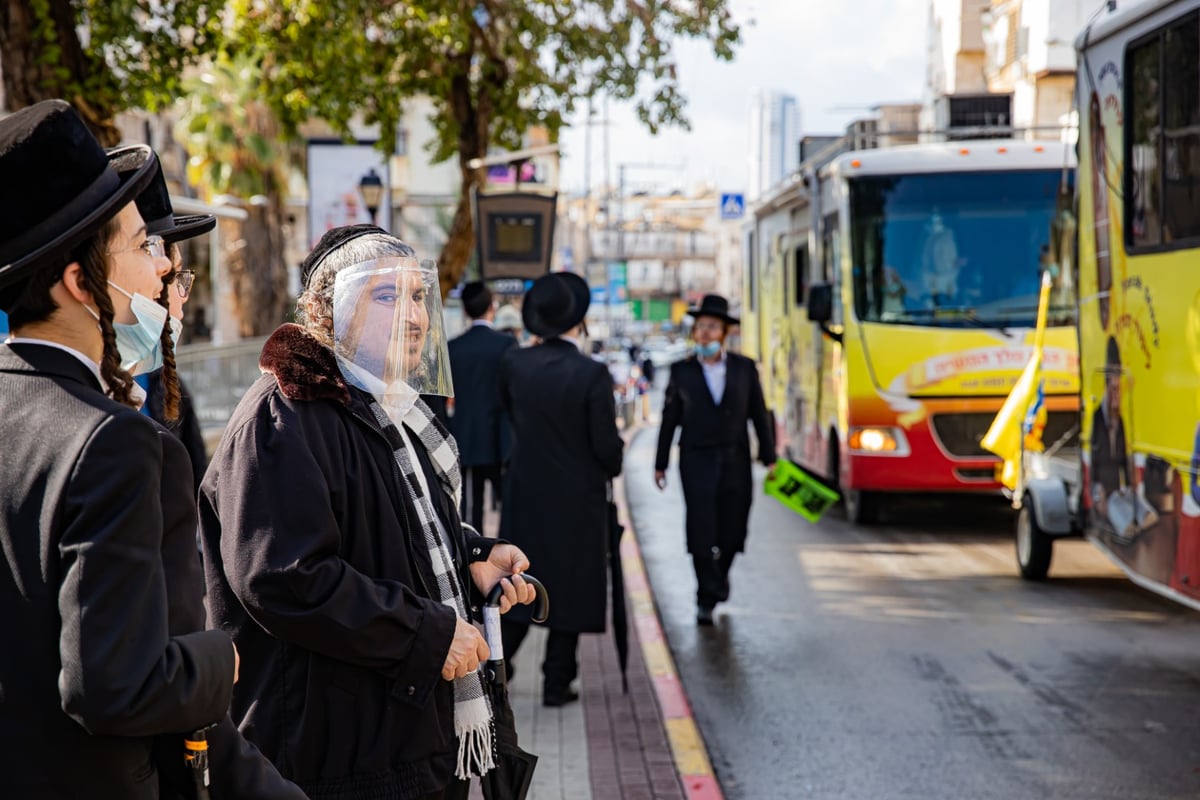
[(140, 343), (176, 330)]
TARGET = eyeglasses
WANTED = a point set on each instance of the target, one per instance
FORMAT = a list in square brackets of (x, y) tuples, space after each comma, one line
[(183, 280), (154, 246)]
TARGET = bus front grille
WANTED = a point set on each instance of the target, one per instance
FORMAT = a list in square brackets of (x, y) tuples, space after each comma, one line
[(960, 434)]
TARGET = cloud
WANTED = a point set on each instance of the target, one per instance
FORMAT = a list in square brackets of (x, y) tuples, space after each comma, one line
[(837, 57)]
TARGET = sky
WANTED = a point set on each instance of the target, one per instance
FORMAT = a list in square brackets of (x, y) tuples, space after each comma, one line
[(837, 57)]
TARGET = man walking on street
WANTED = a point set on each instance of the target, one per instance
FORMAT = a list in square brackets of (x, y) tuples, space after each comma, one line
[(478, 423), (712, 396), (566, 449)]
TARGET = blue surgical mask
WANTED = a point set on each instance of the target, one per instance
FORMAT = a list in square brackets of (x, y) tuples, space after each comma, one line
[(140, 344), (707, 350)]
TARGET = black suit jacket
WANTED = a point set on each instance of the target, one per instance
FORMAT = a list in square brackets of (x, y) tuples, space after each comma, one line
[(688, 404), (478, 423), (89, 673), (714, 449)]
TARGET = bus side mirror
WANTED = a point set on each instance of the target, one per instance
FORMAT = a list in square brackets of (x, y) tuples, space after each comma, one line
[(820, 302), (820, 308)]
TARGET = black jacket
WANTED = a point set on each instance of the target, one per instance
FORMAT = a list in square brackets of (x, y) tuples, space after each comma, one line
[(89, 673), (478, 423), (714, 447), (187, 428), (311, 564), (237, 771), (566, 449)]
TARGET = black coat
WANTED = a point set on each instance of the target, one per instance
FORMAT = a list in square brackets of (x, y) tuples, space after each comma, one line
[(186, 428), (565, 451), (714, 448), (478, 424), (311, 565), (89, 673), (237, 769)]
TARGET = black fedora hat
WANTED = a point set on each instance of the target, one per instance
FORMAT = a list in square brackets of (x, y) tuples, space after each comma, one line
[(154, 203), (57, 187), (713, 305), (557, 302)]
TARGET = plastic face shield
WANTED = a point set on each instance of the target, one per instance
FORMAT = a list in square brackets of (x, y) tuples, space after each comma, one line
[(388, 329)]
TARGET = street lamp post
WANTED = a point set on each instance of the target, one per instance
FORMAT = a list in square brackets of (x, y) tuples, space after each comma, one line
[(370, 186)]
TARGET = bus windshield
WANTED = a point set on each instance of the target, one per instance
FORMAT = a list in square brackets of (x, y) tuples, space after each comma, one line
[(962, 249)]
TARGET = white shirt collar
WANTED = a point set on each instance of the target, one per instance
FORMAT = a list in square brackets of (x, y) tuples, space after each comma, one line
[(487, 323), (87, 362), (396, 398)]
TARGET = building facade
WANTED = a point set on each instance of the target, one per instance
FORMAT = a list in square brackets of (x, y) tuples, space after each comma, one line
[(774, 138)]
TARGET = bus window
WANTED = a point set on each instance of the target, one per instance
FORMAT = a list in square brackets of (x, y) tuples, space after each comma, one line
[(1163, 140), (964, 248), (800, 280), (830, 249)]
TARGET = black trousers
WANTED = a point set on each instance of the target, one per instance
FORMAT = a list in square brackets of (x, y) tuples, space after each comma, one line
[(712, 578), (561, 663), (474, 479)]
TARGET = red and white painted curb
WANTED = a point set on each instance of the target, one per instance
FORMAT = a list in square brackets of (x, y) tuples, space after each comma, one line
[(687, 747)]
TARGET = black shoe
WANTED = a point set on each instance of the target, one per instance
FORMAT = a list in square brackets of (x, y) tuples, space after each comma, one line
[(724, 595), (552, 698), (704, 616)]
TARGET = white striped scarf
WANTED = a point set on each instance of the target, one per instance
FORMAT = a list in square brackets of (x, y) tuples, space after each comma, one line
[(472, 711)]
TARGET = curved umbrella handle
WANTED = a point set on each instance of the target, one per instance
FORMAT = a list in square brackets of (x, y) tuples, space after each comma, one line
[(541, 603)]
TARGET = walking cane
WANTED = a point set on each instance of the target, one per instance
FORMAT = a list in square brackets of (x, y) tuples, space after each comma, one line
[(195, 753)]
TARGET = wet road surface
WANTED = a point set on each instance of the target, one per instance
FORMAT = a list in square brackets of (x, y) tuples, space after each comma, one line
[(908, 660)]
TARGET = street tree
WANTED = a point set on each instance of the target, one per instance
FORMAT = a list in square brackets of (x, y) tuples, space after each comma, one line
[(493, 69), (236, 150), (102, 56)]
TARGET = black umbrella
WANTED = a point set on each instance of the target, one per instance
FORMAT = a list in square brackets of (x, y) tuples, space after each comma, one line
[(195, 753), (620, 619), (513, 773)]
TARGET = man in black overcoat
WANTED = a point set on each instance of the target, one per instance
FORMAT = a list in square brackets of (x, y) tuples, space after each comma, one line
[(90, 672), (566, 450), (478, 423), (712, 396)]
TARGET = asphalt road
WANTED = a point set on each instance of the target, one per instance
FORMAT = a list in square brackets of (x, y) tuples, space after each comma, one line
[(908, 660)]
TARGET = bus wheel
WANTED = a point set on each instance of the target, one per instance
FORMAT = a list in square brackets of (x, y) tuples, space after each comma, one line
[(1034, 546), (862, 508)]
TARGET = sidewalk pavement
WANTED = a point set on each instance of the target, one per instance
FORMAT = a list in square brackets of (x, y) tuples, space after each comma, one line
[(642, 745)]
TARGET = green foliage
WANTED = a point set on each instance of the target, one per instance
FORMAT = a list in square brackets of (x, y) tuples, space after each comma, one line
[(232, 138), (494, 69)]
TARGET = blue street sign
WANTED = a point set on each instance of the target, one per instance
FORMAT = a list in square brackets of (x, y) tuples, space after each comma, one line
[(733, 206)]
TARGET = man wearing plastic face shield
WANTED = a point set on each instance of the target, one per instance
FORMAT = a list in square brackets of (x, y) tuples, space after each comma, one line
[(382, 313), (333, 546)]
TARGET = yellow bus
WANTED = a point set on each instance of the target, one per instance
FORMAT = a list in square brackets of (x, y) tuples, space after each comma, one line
[(892, 294), (1136, 489)]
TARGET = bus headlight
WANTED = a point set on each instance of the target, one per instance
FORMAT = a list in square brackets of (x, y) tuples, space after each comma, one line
[(878, 441)]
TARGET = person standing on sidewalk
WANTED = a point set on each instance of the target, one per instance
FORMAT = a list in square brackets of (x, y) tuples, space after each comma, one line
[(333, 549), (236, 768), (566, 450), (478, 424), (712, 397), (90, 673)]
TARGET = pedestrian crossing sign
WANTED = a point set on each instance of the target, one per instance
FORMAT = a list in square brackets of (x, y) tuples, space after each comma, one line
[(733, 206), (799, 491)]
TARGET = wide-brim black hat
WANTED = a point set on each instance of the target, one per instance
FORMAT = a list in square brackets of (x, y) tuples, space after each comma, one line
[(57, 187), (557, 302), (713, 305), (154, 203)]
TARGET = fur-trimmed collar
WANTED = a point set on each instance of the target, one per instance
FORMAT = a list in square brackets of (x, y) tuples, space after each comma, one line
[(304, 368)]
